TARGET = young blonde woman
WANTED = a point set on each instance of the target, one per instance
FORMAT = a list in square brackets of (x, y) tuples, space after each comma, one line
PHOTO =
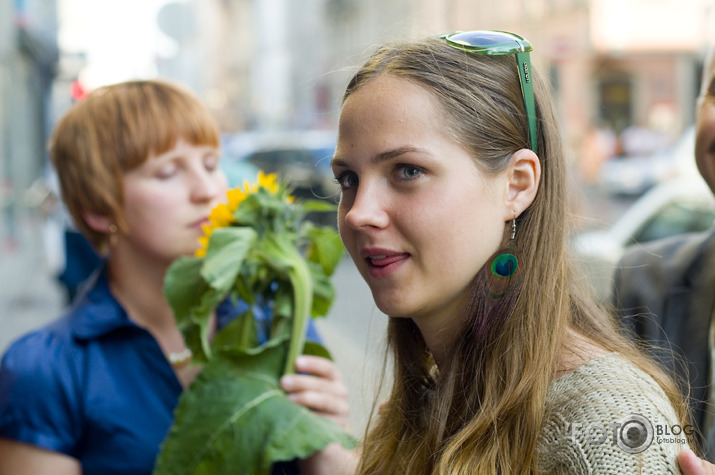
[(94, 392), (453, 208)]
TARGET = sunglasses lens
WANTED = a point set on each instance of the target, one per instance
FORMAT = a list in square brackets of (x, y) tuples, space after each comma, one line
[(489, 42)]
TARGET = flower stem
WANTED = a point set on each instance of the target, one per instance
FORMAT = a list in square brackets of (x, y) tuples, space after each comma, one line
[(301, 280)]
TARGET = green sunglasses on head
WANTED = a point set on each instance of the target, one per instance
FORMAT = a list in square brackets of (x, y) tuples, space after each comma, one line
[(494, 42)]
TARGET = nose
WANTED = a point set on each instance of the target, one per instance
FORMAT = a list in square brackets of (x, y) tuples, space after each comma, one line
[(367, 209), (208, 185)]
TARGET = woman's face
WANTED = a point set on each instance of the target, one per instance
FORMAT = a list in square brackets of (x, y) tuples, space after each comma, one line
[(169, 197), (416, 214)]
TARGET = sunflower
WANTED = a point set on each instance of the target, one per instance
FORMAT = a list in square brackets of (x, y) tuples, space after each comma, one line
[(223, 214), (268, 260)]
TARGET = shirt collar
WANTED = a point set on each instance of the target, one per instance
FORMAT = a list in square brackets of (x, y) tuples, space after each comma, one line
[(97, 312)]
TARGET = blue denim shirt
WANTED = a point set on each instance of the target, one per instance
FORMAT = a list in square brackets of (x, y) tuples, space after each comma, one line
[(95, 386)]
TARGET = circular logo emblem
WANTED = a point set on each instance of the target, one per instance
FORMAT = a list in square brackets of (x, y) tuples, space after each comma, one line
[(635, 434)]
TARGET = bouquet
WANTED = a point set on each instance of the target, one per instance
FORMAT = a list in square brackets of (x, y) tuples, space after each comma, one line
[(258, 249)]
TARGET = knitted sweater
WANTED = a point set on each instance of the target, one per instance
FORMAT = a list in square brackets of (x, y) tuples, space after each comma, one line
[(594, 421)]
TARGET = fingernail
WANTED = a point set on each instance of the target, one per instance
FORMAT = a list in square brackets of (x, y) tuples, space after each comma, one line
[(287, 382), (302, 363)]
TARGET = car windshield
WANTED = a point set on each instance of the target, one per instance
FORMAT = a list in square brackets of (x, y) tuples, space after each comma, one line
[(677, 218), (272, 161)]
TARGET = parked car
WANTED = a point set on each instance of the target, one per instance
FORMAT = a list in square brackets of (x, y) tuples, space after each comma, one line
[(635, 175), (672, 207), (238, 170), (301, 157)]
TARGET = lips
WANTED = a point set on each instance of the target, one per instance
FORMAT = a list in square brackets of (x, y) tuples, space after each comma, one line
[(382, 262), (200, 223)]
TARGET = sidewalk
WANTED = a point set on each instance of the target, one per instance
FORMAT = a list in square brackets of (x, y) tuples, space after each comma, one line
[(29, 297)]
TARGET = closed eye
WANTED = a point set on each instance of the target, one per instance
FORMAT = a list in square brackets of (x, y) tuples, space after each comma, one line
[(167, 171), (211, 161)]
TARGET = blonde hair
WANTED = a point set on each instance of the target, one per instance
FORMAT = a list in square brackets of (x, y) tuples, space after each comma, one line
[(482, 412), (116, 129)]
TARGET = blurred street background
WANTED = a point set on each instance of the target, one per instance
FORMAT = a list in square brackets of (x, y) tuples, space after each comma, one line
[(625, 74)]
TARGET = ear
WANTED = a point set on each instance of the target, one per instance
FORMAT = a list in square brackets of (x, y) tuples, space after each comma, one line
[(524, 176), (98, 222)]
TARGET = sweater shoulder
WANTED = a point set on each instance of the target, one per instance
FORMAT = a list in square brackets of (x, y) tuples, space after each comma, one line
[(609, 416)]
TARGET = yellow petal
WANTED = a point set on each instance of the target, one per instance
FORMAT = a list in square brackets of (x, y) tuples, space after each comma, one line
[(268, 182), (221, 216), (235, 197), (207, 229)]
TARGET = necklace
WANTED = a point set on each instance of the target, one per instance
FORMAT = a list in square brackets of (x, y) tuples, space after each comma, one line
[(180, 358)]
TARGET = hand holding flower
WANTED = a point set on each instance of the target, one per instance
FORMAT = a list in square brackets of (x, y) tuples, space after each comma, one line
[(318, 386)]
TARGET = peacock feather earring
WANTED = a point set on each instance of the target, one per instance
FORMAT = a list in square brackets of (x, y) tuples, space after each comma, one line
[(503, 266), (500, 279)]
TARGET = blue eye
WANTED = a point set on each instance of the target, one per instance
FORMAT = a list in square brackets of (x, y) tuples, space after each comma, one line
[(347, 180), (409, 172)]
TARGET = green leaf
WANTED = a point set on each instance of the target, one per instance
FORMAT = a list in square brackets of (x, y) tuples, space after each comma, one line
[(323, 292), (195, 286), (248, 213), (238, 333), (316, 349), (281, 255), (183, 287), (283, 301), (225, 254), (192, 300), (236, 419), (325, 248), (318, 206), (197, 329)]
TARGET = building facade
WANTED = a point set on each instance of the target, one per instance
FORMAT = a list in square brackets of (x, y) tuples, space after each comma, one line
[(28, 58)]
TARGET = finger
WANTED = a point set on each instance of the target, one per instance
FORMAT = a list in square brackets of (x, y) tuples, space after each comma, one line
[(335, 409), (317, 366), (295, 383), (321, 402), (690, 464), (329, 399)]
